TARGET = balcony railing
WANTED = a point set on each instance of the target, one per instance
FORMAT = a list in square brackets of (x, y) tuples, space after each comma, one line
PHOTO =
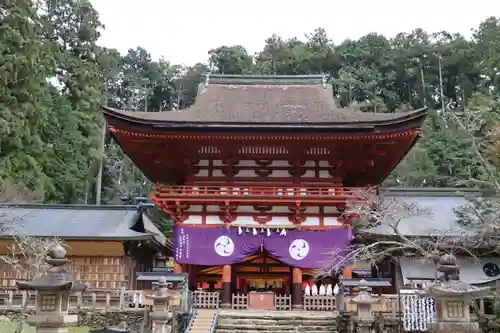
[(271, 194)]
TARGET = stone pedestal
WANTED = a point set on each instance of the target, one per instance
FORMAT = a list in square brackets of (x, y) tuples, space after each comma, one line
[(46, 323), (52, 301), (453, 327), (161, 322)]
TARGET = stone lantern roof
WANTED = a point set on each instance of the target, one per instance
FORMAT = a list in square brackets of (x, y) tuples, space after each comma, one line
[(449, 286), (363, 298), (161, 290)]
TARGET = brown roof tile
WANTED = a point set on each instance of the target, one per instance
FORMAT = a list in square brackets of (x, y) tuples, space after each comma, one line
[(272, 100)]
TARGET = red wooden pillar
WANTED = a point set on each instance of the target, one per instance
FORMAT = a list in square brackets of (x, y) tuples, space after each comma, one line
[(178, 268), (226, 286), (347, 272), (297, 288)]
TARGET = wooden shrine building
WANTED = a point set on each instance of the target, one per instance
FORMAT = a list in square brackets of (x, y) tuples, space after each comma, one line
[(256, 175), (106, 245), (479, 266)]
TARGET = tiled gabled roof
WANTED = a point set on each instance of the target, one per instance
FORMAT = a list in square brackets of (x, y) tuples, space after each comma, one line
[(266, 101), (71, 221), (438, 211)]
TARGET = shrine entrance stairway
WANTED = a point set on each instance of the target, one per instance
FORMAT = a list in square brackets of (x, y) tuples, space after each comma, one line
[(248, 321)]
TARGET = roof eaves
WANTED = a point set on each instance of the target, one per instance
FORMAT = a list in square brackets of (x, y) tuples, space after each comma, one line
[(69, 206), (99, 237), (155, 123), (150, 227), (427, 191)]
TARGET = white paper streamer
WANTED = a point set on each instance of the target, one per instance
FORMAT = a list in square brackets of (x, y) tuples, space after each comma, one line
[(417, 312)]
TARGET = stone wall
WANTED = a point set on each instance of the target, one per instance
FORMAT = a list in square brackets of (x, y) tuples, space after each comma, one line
[(275, 322), (93, 319)]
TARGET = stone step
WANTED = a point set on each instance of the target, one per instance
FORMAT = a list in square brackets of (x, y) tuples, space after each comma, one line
[(273, 322), (252, 314), (278, 331), (202, 321), (201, 324), (283, 327), (251, 321)]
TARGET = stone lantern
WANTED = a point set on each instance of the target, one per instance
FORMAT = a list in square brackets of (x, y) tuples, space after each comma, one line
[(364, 317), (52, 300), (452, 298), (161, 306)]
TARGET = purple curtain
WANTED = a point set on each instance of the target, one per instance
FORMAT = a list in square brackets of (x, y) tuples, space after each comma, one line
[(308, 248), (221, 245), (212, 246)]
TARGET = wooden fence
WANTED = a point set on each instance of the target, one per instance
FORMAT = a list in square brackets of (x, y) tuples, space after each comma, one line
[(282, 302), (206, 299), (390, 305), (118, 300), (319, 303)]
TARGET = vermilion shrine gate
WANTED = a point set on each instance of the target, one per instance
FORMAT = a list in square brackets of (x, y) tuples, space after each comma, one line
[(256, 175)]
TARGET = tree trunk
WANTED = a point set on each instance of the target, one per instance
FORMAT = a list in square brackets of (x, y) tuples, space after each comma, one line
[(98, 185)]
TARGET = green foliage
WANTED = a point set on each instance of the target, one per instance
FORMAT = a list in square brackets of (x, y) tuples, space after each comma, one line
[(54, 77), (49, 96), (163, 222)]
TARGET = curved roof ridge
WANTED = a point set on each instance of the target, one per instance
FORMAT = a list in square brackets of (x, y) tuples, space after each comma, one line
[(243, 79)]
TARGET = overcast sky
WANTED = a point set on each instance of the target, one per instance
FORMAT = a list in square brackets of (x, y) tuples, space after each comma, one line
[(183, 31)]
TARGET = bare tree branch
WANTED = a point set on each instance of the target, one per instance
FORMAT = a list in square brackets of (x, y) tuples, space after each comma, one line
[(381, 236), (479, 219), (26, 255)]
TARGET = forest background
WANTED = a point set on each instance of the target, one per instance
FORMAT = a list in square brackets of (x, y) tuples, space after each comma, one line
[(54, 77)]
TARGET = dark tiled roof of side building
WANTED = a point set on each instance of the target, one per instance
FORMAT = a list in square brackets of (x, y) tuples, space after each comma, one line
[(438, 211), (77, 222), (272, 100)]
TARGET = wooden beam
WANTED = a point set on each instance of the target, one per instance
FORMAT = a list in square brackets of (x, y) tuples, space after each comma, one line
[(251, 264)]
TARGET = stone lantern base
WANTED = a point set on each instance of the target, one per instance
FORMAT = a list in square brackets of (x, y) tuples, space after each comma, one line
[(52, 323), (160, 321), (453, 327)]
